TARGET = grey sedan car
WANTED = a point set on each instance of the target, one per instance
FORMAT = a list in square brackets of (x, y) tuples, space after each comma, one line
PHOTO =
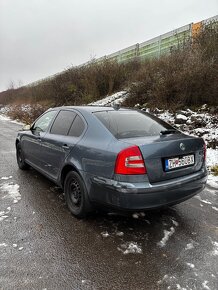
[(122, 159)]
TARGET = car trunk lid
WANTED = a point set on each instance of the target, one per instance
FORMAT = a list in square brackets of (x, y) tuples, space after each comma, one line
[(157, 149)]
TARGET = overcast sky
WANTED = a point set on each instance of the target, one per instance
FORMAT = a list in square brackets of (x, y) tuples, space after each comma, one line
[(41, 37)]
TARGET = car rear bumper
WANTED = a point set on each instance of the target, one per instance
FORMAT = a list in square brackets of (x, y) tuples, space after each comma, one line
[(143, 195)]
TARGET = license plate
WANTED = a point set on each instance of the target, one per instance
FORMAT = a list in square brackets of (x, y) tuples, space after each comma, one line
[(178, 162)]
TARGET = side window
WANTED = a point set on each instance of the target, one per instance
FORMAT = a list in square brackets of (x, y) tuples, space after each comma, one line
[(42, 124), (63, 123), (77, 127)]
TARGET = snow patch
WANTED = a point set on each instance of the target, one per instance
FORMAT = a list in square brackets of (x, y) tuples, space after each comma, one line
[(105, 234), (167, 235), (120, 234), (175, 223), (137, 215), (215, 208), (189, 246), (4, 212), (3, 245), (202, 200), (12, 191), (181, 117), (215, 250), (3, 217), (117, 98), (190, 265), (213, 180), (204, 284), (6, 177), (212, 157), (130, 248), (4, 118), (179, 287)]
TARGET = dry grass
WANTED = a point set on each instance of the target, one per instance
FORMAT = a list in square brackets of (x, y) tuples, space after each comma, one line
[(214, 170), (26, 114)]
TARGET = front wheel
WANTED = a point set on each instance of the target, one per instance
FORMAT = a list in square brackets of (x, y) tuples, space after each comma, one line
[(76, 195), (20, 158)]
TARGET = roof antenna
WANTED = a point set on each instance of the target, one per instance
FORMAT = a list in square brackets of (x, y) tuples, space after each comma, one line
[(116, 106)]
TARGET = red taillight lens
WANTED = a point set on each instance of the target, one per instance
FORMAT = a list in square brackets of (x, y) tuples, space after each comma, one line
[(130, 161), (205, 151)]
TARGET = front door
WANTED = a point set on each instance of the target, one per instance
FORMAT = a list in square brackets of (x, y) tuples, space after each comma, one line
[(31, 141)]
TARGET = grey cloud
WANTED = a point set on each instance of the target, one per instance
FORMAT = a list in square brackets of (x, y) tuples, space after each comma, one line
[(41, 37)]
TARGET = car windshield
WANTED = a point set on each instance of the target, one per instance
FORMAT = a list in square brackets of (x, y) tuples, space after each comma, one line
[(129, 124)]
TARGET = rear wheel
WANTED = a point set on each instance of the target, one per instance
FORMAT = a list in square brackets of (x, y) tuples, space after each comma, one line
[(76, 195), (20, 158)]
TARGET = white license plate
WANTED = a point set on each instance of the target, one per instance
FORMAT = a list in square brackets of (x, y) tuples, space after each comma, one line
[(178, 162)]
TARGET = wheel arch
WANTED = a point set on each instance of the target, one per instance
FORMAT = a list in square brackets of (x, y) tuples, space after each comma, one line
[(65, 170)]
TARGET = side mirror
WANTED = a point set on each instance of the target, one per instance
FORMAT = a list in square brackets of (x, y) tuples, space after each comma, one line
[(26, 128)]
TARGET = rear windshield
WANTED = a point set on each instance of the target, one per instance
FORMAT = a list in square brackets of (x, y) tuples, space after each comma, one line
[(129, 124)]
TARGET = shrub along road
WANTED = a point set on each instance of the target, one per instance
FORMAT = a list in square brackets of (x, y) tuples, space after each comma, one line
[(43, 247)]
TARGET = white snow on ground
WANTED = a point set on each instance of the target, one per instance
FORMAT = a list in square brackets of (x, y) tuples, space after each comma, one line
[(3, 217), (6, 177), (137, 215), (181, 117), (167, 235), (12, 191), (202, 200), (215, 208), (130, 248), (204, 284), (105, 234), (120, 234), (175, 223), (117, 98), (212, 157), (215, 250), (189, 246), (5, 118), (179, 287), (212, 181), (3, 245), (4, 214), (191, 265)]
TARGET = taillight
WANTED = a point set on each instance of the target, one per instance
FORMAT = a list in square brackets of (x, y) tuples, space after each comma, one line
[(205, 151), (130, 161)]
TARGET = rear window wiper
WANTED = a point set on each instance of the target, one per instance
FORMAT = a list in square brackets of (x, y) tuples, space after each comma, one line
[(169, 131)]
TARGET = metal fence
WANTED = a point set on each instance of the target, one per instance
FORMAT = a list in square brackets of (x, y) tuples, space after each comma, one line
[(154, 47), (160, 45)]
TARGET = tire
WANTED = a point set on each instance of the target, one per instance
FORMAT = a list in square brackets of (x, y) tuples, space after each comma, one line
[(76, 195), (20, 158)]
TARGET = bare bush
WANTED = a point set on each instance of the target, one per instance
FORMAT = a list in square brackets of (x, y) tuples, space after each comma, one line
[(186, 77)]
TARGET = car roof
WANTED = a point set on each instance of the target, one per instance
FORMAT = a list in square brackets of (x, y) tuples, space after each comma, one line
[(91, 109)]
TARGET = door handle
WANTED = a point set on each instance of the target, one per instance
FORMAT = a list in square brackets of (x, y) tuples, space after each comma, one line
[(65, 146)]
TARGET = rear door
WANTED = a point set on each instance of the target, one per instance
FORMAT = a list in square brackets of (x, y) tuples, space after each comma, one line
[(64, 134)]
